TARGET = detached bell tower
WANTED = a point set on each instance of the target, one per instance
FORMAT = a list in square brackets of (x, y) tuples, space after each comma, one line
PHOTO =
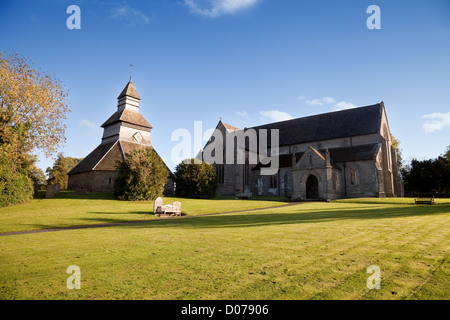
[(127, 124), (123, 132)]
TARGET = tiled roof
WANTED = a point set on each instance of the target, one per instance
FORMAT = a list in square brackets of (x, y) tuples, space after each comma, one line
[(327, 126), (337, 155), (89, 162), (129, 90), (128, 116), (106, 157), (230, 127)]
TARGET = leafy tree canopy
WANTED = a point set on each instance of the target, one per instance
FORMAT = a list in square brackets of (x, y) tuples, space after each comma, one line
[(33, 107), (142, 176), (195, 180), (58, 173)]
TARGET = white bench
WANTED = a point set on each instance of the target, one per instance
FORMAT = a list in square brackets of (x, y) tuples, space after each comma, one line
[(169, 209)]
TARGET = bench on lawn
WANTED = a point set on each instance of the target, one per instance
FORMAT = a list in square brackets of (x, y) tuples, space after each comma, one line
[(244, 195), (169, 209), (424, 200)]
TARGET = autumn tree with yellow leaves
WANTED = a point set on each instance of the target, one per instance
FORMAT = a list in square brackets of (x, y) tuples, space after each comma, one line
[(33, 109)]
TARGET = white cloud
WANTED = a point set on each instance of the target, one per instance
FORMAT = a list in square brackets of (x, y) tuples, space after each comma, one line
[(344, 105), (87, 123), (215, 8), (328, 100), (314, 102), (128, 15), (242, 114), (275, 115), (317, 102), (436, 121)]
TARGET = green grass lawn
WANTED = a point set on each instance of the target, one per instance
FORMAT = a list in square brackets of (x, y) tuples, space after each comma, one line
[(71, 209), (307, 251)]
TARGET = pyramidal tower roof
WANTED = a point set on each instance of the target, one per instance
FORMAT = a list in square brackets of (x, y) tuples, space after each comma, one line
[(130, 91)]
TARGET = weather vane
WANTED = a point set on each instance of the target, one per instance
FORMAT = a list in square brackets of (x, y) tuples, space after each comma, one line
[(131, 70)]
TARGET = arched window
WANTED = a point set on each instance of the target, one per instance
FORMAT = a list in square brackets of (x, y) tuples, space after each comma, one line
[(274, 181), (354, 176), (310, 159), (220, 172), (334, 181)]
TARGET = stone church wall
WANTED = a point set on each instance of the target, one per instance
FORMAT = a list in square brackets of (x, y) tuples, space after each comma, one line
[(102, 181)]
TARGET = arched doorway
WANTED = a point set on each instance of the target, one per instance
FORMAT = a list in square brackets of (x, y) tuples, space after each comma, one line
[(312, 187)]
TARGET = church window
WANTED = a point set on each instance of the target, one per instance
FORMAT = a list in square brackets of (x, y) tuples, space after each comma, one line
[(220, 171), (138, 137), (310, 159), (246, 173), (334, 181), (274, 181), (354, 176)]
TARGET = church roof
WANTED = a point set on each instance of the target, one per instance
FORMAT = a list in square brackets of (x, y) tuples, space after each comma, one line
[(94, 158), (327, 126), (106, 157), (129, 90), (230, 127), (337, 155), (355, 153), (128, 116)]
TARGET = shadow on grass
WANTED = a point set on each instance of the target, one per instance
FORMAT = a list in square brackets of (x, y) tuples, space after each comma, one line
[(71, 194), (280, 218)]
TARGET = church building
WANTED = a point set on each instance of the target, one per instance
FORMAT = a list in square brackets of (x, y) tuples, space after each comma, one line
[(342, 154), (123, 132)]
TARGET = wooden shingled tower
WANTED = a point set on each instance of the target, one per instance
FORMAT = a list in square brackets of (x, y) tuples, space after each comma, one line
[(124, 131)]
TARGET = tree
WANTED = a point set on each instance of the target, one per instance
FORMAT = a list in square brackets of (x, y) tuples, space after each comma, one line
[(38, 177), (195, 180), (33, 107), (428, 176), (15, 186), (142, 176), (58, 173), (396, 146)]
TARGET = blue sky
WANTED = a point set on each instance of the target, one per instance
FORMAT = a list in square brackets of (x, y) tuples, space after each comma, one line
[(247, 61)]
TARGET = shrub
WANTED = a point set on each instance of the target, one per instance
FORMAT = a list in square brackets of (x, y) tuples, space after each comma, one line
[(142, 176), (15, 187), (195, 180)]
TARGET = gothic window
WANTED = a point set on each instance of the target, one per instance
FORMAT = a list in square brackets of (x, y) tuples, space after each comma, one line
[(354, 176), (274, 181), (310, 159), (334, 181), (220, 170), (246, 173)]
